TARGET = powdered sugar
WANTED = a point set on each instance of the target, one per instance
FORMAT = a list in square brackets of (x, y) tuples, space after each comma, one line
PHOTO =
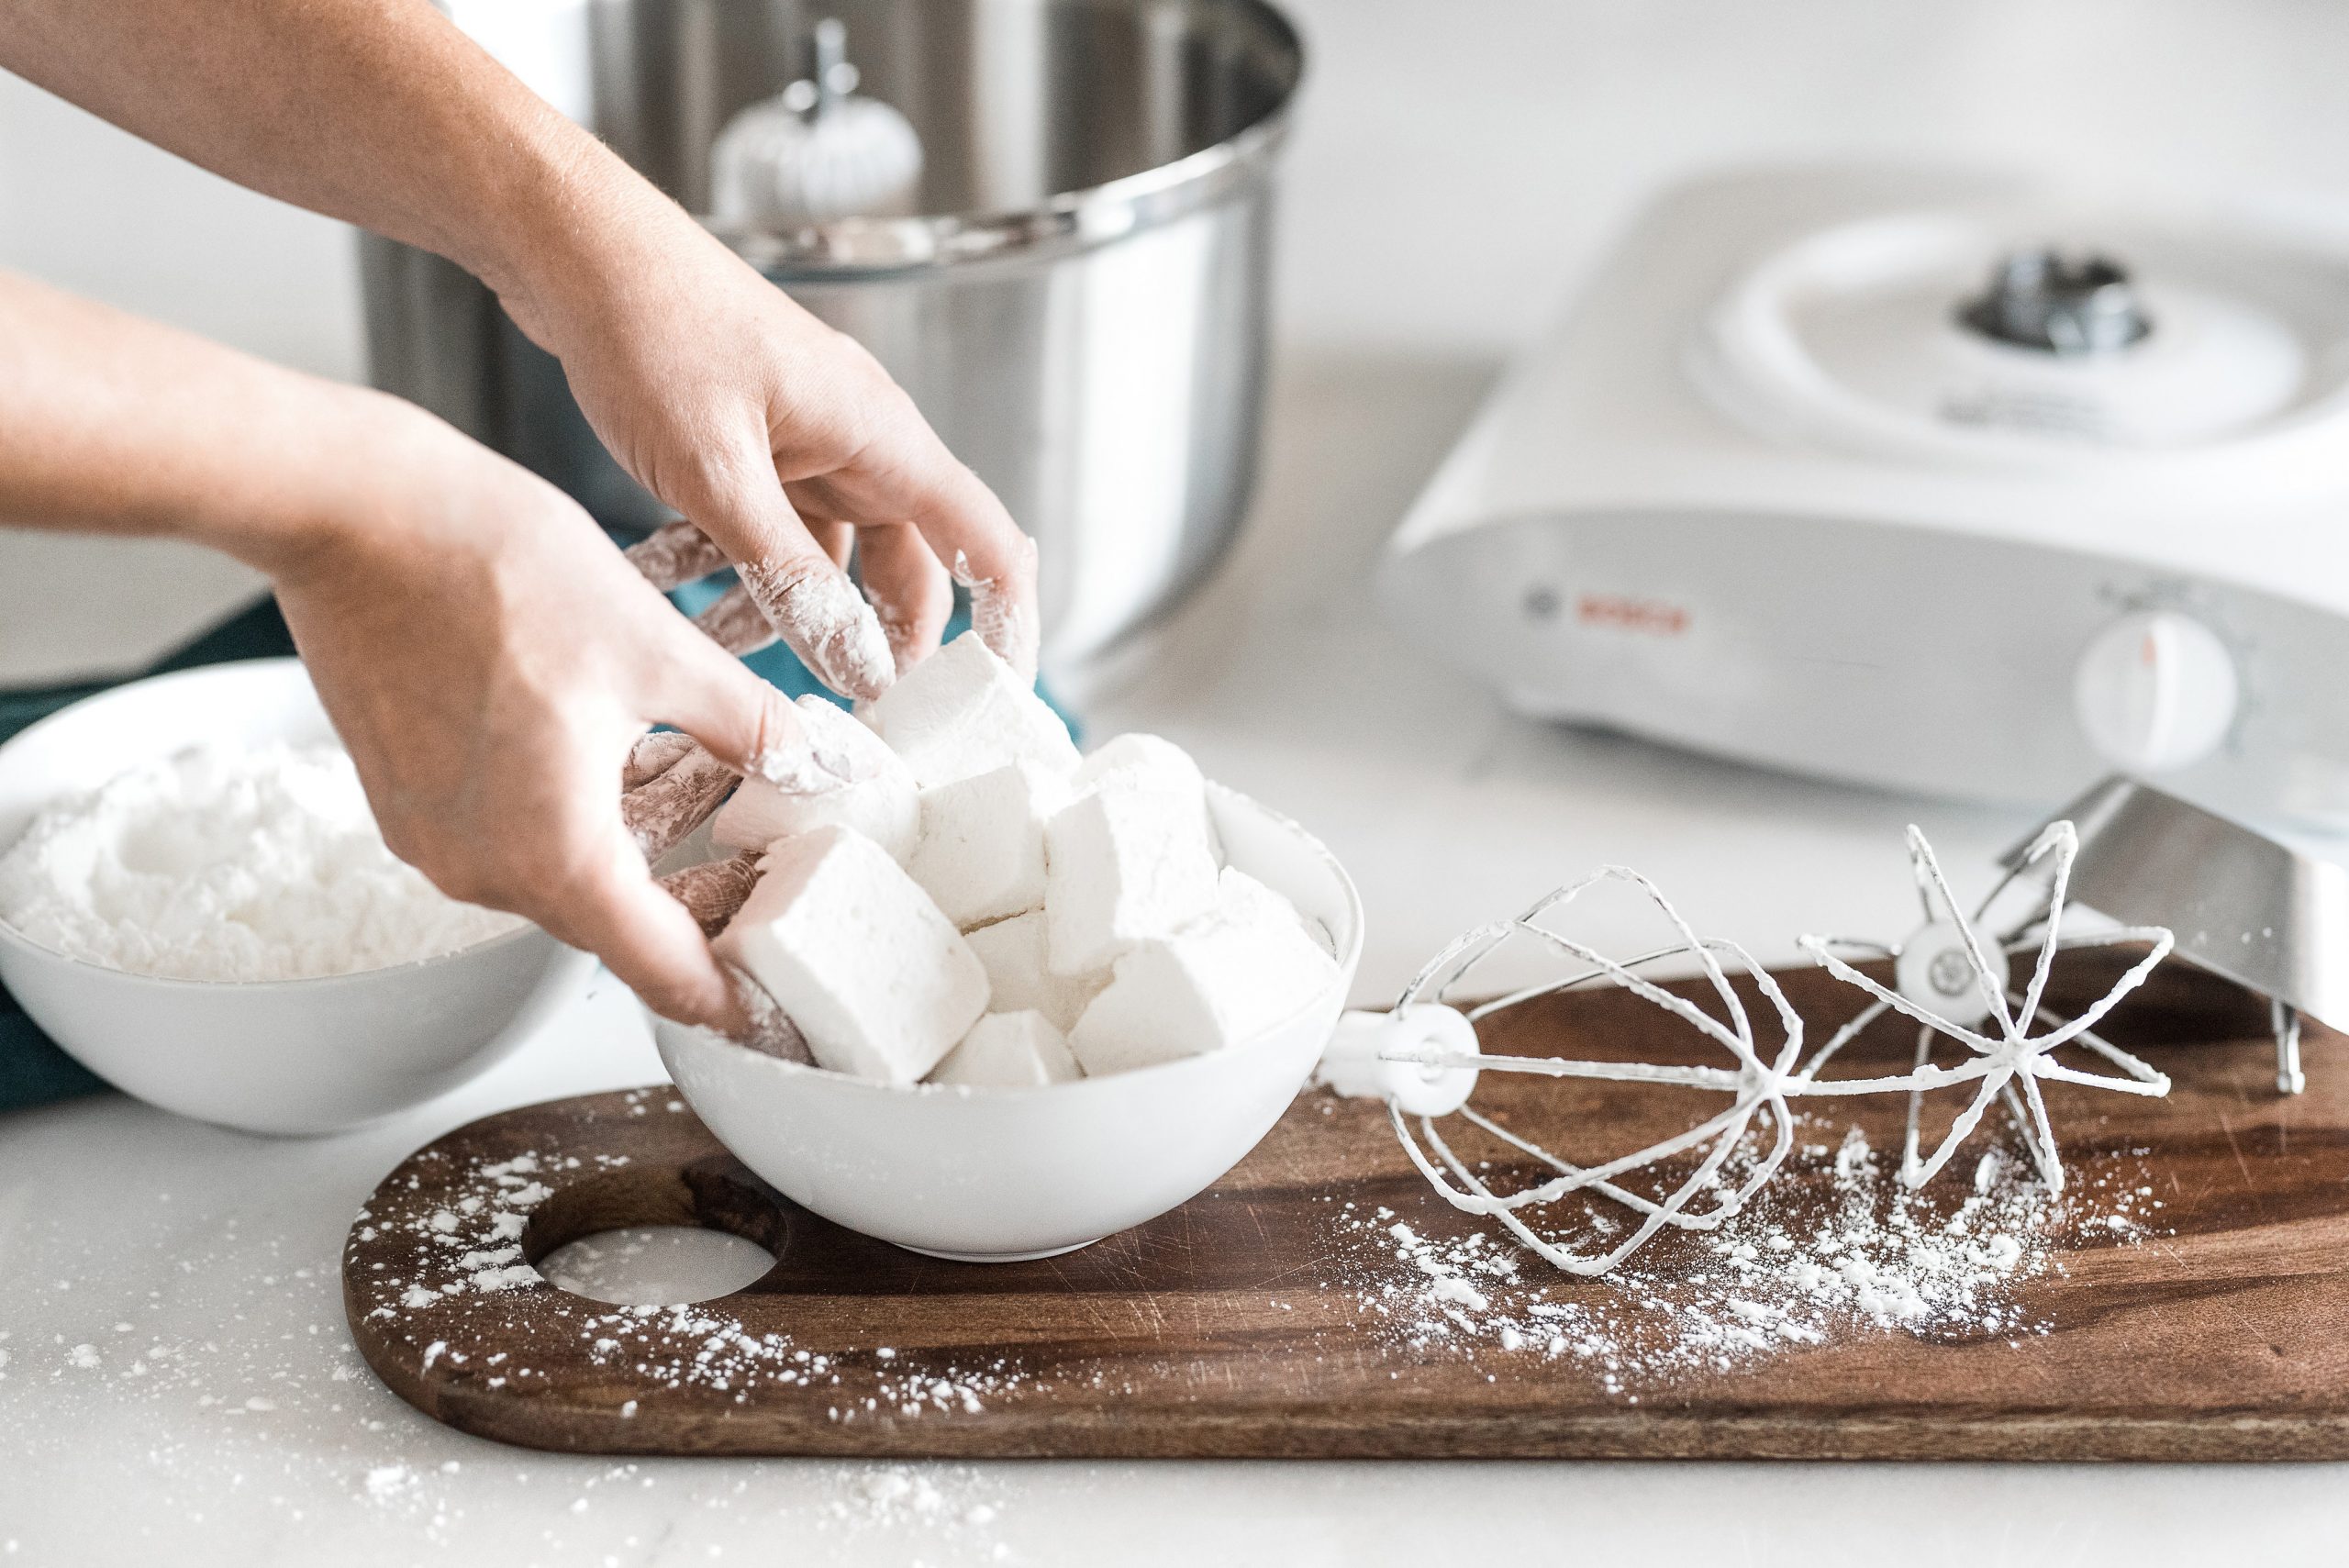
[(827, 623), (663, 809), (998, 612), (227, 863), (449, 1308), (1838, 1249)]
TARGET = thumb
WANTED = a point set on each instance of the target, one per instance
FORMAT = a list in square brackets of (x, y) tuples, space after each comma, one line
[(647, 939)]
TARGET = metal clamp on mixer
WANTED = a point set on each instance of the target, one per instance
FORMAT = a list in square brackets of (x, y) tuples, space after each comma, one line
[(2244, 906)]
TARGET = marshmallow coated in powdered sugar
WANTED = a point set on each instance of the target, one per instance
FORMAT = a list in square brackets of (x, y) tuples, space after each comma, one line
[(1127, 860), (882, 801), (1220, 981), (1017, 977), (981, 851), (1010, 1051), (962, 711), (881, 985)]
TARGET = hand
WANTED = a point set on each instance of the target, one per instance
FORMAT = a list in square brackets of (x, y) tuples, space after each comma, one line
[(783, 443), (492, 664), (782, 440)]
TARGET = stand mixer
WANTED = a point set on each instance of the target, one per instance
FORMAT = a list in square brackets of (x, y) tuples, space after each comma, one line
[(1944, 482)]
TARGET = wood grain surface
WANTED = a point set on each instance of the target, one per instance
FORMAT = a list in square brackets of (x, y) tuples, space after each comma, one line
[(1249, 1323)]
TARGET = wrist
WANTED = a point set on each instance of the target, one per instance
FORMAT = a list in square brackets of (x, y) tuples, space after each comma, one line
[(347, 460), (585, 234)]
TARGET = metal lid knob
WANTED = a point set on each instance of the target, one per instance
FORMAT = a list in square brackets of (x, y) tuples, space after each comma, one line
[(2041, 299)]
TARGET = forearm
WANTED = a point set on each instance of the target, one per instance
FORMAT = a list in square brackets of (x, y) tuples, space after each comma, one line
[(114, 424), (379, 112)]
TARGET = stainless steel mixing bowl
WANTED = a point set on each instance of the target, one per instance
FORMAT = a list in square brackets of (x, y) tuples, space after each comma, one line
[(1083, 321)]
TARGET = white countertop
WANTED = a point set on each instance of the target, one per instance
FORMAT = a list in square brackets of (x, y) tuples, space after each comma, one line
[(1511, 133)]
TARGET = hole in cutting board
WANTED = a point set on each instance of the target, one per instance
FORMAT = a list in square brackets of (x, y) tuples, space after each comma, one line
[(655, 1265)]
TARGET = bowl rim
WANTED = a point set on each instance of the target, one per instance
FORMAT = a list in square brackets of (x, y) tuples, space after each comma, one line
[(1062, 223), (227, 671), (1348, 959)]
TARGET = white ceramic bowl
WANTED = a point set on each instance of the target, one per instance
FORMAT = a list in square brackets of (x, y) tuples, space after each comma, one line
[(999, 1174), (300, 1056)]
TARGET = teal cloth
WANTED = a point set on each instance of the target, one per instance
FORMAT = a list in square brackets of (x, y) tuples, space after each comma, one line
[(33, 1071)]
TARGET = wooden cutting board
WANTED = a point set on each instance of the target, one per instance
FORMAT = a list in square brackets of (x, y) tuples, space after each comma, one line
[(1260, 1319)]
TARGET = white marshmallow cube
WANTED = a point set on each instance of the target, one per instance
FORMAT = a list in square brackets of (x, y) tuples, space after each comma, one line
[(882, 803), (1138, 758), (1125, 862), (981, 853), (962, 711), (1220, 981), (1017, 977), (1137, 752), (880, 983), (1010, 1051)]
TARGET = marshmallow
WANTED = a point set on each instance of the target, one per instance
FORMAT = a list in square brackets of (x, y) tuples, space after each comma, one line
[(981, 853), (1013, 954), (1128, 861), (1220, 981), (1137, 752), (962, 711), (1010, 1051), (882, 803), (1141, 759), (880, 983)]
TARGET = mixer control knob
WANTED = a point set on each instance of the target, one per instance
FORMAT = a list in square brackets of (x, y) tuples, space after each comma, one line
[(2156, 691)]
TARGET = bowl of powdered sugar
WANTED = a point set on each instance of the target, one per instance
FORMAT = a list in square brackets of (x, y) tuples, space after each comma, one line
[(196, 904)]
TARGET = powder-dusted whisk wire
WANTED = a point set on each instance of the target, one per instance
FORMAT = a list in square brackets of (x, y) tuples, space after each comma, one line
[(1423, 1057), (2008, 1062), (1756, 1086)]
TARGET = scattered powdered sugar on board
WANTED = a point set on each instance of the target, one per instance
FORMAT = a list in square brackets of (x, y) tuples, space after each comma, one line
[(450, 1311), (1838, 1249)]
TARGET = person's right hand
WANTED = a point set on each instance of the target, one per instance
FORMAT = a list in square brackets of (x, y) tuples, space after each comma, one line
[(783, 441), (490, 661)]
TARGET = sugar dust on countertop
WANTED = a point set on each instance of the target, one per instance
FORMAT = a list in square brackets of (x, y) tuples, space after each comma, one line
[(229, 863)]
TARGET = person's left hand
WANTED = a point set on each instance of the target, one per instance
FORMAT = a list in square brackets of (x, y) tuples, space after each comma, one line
[(782, 441)]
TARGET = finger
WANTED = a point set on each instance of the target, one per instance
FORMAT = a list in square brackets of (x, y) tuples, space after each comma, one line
[(834, 538), (765, 1027), (736, 623), (806, 596), (674, 554), (969, 531), (1003, 605), (824, 619), (660, 812), (615, 910), (652, 755), (713, 891), (746, 724), (909, 590)]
